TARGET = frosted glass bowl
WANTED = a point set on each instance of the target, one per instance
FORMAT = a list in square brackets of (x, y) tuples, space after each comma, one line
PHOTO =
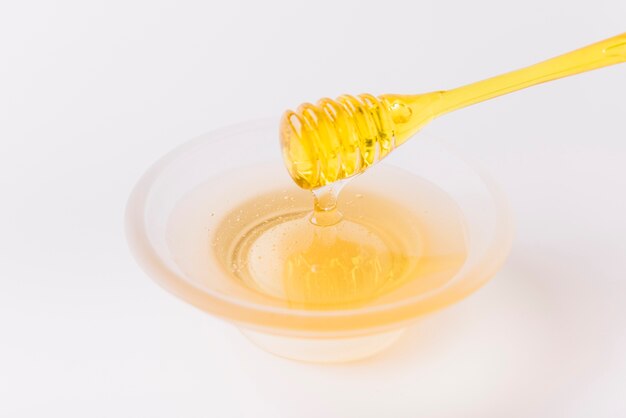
[(307, 335)]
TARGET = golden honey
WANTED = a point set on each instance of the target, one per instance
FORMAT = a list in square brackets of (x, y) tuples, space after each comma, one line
[(389, 231)]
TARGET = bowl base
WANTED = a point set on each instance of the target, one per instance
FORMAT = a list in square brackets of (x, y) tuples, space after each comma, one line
[(324, 350)]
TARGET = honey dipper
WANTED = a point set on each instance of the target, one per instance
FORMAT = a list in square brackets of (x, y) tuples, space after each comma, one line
[(338, 139)]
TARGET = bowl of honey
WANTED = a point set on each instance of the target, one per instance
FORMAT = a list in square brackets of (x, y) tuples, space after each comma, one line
[(219, 223)]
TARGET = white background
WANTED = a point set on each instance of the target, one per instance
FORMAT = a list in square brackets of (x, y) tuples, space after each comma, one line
[(92, 92)]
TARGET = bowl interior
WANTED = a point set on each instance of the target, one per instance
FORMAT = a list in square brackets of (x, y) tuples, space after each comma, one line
[(217, 164)]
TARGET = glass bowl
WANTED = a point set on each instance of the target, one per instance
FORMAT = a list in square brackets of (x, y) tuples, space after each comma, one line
[(180, 258)]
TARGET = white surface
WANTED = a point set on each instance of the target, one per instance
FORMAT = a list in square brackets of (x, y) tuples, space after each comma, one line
[(91, 93)]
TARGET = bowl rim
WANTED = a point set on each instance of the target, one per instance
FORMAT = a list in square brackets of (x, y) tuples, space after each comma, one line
[(254, 315)]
